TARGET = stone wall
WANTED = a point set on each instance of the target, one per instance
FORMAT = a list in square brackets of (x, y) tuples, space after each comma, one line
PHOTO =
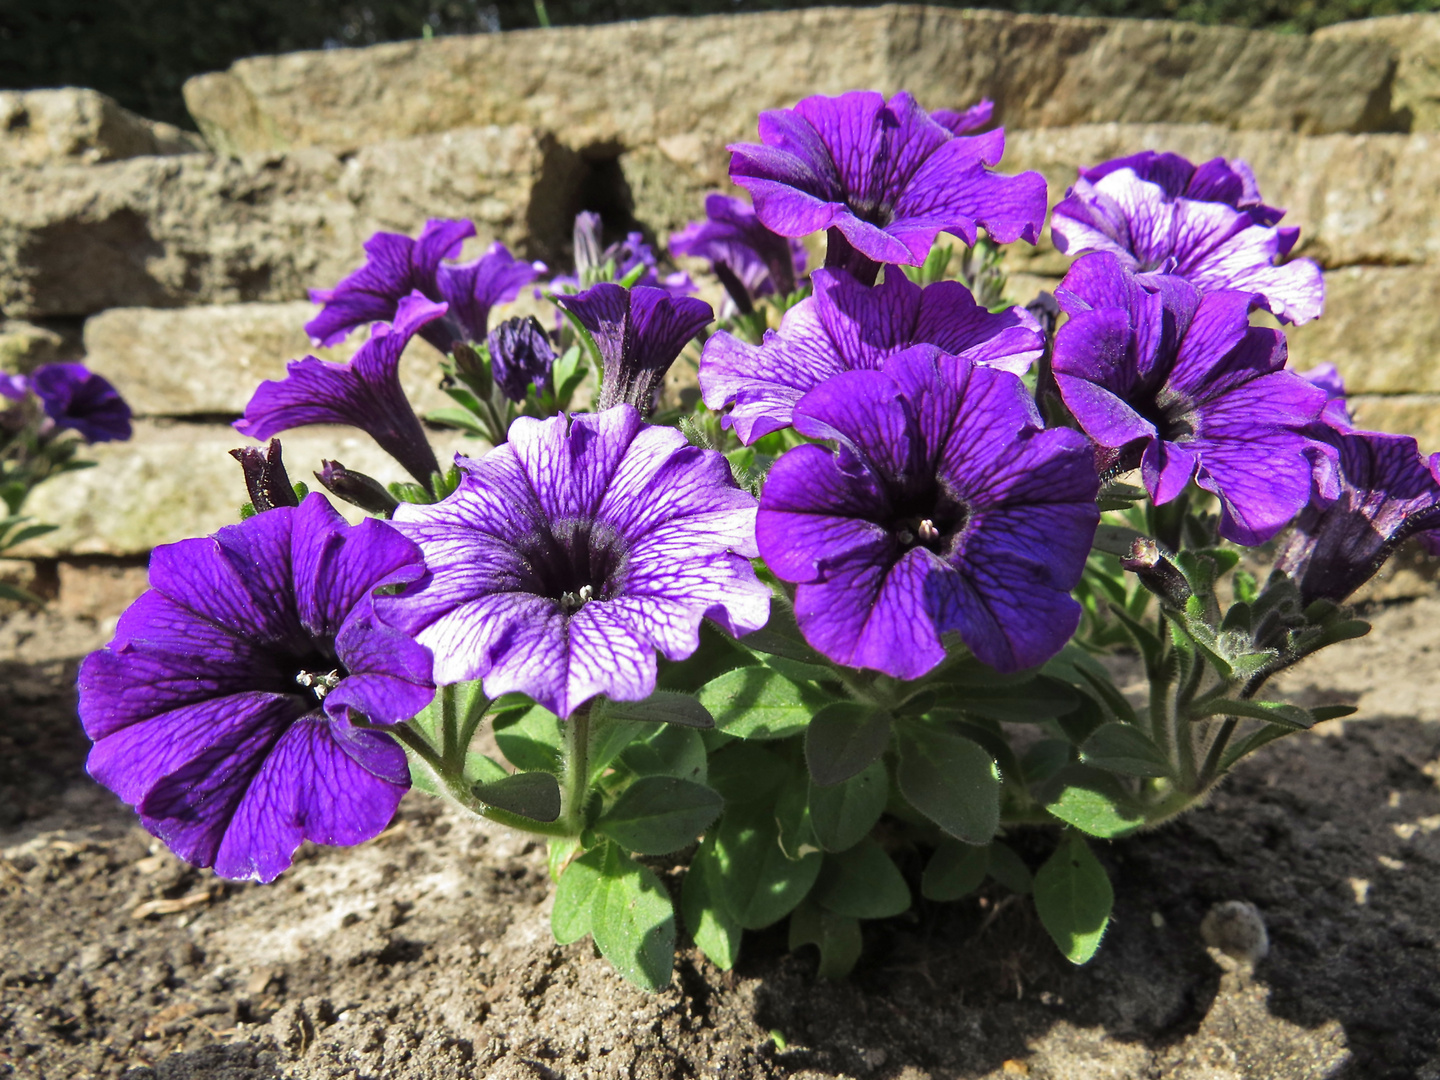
[(180, 269)]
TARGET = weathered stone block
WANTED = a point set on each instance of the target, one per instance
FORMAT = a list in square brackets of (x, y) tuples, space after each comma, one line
[(1381, 328), (616, 86), (1415, 94), (208, 360), (164, 232), (1403, 414), (24, 346), (78, 126), (1357, 199), (175, 480)]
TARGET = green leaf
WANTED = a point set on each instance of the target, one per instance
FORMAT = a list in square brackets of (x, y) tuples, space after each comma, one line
[(1009, 869), (609, 736), (951, 781), (1043, 759), (744, 773), (1252, 742), (531, 739), (533, 795), (1331, 712), (843, 739), (633, 921), (1124, 748), (843, 814), (955, 870), (710, 923), (799, 672), (1115, 539), (792, 817), (457, 418), (759, 884), (717, 654), (760, 703), (1272, 712), (570, 917), (659, 814), (560, 853), (863, 883), (1094, 802), (836, 936), (1073, 898), (1039, 698), (781, 636), (669, 751), (661, 707)]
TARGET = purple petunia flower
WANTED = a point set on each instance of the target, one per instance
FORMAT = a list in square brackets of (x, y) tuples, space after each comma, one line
[(225, 710), (77, 399), (639, 333), (963, 123), (848, 326), (572, 553), (884, 177), (1181, 384), (521, 357), (1159, 213), (398, 266), (14, 387), (362, 392), (750, 260), (946, 507), (1388, 493)]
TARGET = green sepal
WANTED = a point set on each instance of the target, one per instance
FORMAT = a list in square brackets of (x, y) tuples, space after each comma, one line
[(1073, 898)]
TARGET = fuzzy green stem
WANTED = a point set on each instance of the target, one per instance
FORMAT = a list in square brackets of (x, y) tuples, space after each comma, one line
[(576, 780), (1210, 771)]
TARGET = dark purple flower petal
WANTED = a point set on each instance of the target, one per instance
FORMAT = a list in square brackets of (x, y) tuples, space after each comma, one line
[(521, 357), (14, 387), (639, 333), (848, 326), (1181, 385), (573, 553), (77, 399), (1158, 213), (1388, 492), (395, 267), (945, 507), (472, 289), (733, 238), (362, 392), (963, 123), (222, 709), (886, 175)]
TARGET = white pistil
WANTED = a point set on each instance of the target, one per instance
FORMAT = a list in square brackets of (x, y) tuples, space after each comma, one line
[(574, 601), (319, 684), (928, 531)]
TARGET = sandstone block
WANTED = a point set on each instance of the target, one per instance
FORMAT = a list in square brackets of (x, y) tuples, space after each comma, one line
[(1357, 199), (164, 232), (620, 86), (176, 480), (1415, 94), (208, 360), (1402, 414), (78, 126), (1381, 328), (24, 346)]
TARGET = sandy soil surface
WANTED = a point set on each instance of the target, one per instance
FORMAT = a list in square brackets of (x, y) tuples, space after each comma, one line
[(427, 953)]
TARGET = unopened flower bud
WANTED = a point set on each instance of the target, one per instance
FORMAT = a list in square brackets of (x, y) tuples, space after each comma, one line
[(355, 487), (265, 476), (520, 357), (1156, 572)]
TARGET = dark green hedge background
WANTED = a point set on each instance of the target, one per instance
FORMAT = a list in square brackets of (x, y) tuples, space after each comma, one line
[(141, 51)]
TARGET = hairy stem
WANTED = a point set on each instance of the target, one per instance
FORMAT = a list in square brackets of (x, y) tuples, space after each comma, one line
[(575, 783)]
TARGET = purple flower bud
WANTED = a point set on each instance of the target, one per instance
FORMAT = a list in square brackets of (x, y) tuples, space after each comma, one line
[(520, 357), (14, 387), (76, 398), (265, 477), (356, 488)]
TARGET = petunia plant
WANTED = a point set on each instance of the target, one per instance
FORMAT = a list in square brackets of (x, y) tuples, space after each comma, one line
[(45, 419), (834, 635)]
